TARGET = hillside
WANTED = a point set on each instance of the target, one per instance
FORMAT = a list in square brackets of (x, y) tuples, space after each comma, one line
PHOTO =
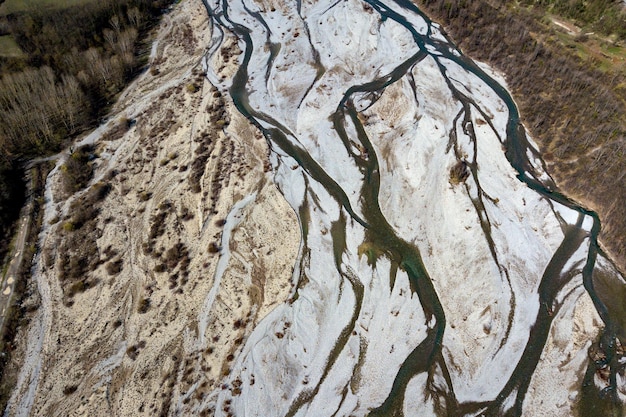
[(122, 292)]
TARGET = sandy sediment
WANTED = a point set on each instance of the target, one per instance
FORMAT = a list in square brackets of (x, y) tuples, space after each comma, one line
[(183, 242), (135, 334)]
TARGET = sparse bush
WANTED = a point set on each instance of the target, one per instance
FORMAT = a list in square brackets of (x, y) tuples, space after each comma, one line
[(114, 267), (144, 196), (459, 173), (144, 305), (69, 389), (77, 288), (98, 193), (186, 214), (69, 226), (147, 248), (174, 255), (132, 352)]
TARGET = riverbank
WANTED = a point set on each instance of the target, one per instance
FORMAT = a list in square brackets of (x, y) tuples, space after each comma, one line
[(571, 102)]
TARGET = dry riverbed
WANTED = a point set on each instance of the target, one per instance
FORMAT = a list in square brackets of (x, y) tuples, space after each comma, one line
[(150, 280)]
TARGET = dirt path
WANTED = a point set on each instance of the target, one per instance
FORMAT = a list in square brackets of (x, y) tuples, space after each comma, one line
[(9, 279)]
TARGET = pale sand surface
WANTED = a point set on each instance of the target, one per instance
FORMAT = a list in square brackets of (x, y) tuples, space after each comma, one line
[(193, 351), (122, 361)]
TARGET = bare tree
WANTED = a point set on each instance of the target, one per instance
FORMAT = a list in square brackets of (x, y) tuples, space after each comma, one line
[(134, 17), (115, 23), (126, 46), (110, 37)]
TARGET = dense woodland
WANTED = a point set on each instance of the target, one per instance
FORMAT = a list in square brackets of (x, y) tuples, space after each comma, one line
[(572, 107), (76, 60)]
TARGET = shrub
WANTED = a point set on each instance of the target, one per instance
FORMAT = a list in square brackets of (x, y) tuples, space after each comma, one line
[(69, 389), (77, 288), (77, 170), (144, 196), (132, 352), (114, 267), (69, 226), (186, 214), (144, 305), (459, 173)]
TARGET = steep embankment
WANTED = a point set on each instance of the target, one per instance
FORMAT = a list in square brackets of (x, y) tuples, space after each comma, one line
[(151, 278)]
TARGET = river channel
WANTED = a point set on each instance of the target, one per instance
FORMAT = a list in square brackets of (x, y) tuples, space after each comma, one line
[(337, 178)]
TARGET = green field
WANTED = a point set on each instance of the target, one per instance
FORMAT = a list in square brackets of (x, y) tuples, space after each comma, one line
[(9, 48), (13, 6)]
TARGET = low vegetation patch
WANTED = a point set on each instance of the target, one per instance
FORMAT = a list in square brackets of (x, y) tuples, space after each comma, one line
[(77, 170), (78, 251)]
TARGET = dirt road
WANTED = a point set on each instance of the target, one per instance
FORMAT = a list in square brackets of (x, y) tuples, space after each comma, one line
[(9, 279)]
